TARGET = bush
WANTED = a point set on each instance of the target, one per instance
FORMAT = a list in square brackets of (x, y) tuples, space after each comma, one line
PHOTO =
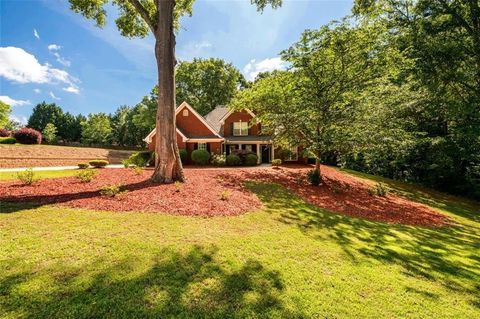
[(183, 155), (276, 163), (27, 177), (233, 160), (225, 195), (242, 154), (379, 190), (251, 160), (86, 176), (28, 136), (314, 177), (139, 159), (4, 132), (7, 140), (200, 157), (219, 160), (83, 165), (112, 190), (98, 163)]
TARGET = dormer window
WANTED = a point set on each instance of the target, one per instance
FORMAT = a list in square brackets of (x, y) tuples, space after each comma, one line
[(185, 112), (240, 128)]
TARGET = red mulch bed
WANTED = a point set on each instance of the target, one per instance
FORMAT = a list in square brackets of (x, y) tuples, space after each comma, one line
[(201, 194)]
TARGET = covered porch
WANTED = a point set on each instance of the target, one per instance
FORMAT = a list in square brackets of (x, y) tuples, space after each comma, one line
[(260, 145)]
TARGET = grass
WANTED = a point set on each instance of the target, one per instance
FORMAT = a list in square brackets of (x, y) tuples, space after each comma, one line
[(4, 176), (289, 260)]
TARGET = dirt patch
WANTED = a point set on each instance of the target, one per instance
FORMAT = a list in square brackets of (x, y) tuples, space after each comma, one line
[(221, 192), (202, 195), (50, 155)]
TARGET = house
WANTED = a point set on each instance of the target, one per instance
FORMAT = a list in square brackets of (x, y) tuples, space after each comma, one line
[(222, 131)]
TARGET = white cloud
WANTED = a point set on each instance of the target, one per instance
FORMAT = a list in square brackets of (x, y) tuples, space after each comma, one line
[(20, 119), (253, 68), (55, 47), (17, 65), (72, 89), (192, 50), (37, 91), (53, 96), (8, 100), (35, 34)]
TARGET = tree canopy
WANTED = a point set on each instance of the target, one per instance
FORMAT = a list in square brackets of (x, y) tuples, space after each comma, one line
[(5, 111)]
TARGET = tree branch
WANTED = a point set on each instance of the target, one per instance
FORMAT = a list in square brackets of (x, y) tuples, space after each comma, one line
[(144, 14)]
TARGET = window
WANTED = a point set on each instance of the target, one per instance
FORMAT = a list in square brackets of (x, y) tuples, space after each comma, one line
[(185, 112), (202, 146), (248, 148), (292, 155), (240, 128)]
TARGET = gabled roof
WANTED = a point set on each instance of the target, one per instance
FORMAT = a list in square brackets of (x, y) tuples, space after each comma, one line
[(230, 112), (216, 115), (201, 118)]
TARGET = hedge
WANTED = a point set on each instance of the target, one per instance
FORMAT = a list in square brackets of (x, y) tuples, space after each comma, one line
[(98, 163), (4, 132), (141, 159), (183, 155), (251, 160), (200, 157), (233, 160), (28, 136), (7, 140)]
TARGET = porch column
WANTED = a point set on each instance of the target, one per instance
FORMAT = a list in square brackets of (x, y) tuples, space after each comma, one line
[(273, 153), (259, 154)]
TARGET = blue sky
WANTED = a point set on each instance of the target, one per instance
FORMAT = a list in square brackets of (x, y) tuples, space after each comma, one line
[(49, 53)]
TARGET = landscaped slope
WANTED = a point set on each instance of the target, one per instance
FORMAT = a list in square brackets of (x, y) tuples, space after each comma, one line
[(288, 260)]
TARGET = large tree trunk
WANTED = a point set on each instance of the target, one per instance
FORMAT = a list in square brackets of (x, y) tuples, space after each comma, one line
[(168, 166)]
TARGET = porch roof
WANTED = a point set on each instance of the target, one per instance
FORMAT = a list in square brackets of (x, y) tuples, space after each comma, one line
[(249, 138)]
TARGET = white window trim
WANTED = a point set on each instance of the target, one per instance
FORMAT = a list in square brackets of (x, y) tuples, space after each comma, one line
[(203, 144), (241, 129)]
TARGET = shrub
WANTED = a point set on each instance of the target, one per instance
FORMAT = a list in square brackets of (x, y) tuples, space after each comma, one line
[(83, 165), (183, 155), (139, 159), (27, 177), (242, 154), (251, 160), (200, 157), (28, 136), (314, 177), (86, 176), (112, 190), (138, 170), (276, 163), (4, 132), (233, 160), (225, 195), (379, 190), (178, 186), (7, 140), (98, 163), (219, 160)]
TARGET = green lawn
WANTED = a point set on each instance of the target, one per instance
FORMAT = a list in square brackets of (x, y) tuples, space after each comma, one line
[(41, 174), (289, 260)]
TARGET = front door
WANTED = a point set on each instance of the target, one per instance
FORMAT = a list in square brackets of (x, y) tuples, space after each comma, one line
[(266, 153)]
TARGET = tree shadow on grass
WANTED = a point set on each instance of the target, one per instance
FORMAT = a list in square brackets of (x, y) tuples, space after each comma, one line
[(448, 255), (174, 284)]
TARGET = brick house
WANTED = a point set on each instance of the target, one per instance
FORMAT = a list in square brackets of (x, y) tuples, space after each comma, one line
[(222, 131)]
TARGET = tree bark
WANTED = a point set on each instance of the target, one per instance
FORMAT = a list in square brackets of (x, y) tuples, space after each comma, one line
[(168, 166)]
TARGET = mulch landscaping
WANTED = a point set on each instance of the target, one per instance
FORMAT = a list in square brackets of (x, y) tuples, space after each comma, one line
[(221, 192)]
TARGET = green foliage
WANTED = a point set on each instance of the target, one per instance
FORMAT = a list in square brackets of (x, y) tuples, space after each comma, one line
[(251, 160), (379, 189), (27, 177), (140, 159), (86, 175), (219, 159), (200, 157), (314, 177), (96, 129), (138, 170), (83, 165), (183, 155), (7, 140), (98, 163), (233, 160), (178, 186), (45, 113), (225, 195), (50, 133), (113, 190), (207, 83), (276, 162), (5, 111)]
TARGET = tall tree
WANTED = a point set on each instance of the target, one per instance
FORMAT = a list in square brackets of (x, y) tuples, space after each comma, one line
[(137, 18), (5, 111), (96, 129), (119, 122), (44, 113), (206, 83)]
